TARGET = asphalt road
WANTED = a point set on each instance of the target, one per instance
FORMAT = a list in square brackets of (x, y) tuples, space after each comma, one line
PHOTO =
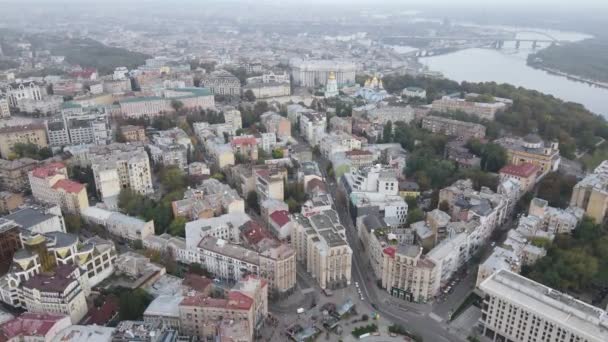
[(420, 323)]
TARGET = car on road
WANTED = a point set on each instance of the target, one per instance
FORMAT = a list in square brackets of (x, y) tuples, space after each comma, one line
[(357, 284)]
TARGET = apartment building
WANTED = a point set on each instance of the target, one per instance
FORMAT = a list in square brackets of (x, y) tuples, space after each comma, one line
[(482, 110), (518, 309), (14, 173), (455, 128), (225, 227), (275, 123), (269, 184), (246, 302), (211, 198), (320, 244), (24, 90), (133, 133), (5, 110), (49, 184), (80, 125), (269, 89), (119, 166), (118, 224), (338, 142), (22, 134), (591, 193), (533, 150), (408, 275), (312, 127)]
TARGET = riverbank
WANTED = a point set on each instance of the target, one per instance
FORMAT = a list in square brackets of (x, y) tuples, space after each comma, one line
[(571, 77)]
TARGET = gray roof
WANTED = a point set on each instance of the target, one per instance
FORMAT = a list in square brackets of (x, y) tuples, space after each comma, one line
[(29, 217)]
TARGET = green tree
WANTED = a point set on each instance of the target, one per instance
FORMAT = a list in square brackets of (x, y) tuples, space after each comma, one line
[(73, 223), (172, 178), (277, 153), (178, 227), (249, 95), (387, 132), (252, 201), (415, 215), (177, 105), (133, 303)]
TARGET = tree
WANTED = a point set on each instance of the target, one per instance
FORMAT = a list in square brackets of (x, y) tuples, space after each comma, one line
[(444, 206), (172, 178), (29, 150), (493, 157), (260, 108), (133, 303), (73, 223), (177, 105), (387, 132), (415, 215), (178, 227), (277, 153), (252, 201), (249, 95)]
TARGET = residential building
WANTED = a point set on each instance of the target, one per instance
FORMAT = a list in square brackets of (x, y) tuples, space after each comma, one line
[(91, 333), (461, 129), (408, 275), (48, 105), (312, 127), (221, 82), (34, 327), (247, 302), (313, 73), (5, 111), (525, 173), (225, 227), (14, 173), (23, 134), (246, 146), (344, 124), (10, 201), (80, 125), (49, 184), (414, 92), (164, 309), (518, 309), (338, 142), (119, 166), (275, 123), (320, 244), (211, 198), (118, 224), (531, 149), (294, 111), (591, 193), (171, 147), (140, 331), (269, 184), (133, 133), (482, 110)]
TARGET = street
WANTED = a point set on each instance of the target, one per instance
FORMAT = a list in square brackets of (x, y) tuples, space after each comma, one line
[(412, 316)]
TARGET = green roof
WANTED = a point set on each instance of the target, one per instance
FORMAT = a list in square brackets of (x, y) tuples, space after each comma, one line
[(70, 104)]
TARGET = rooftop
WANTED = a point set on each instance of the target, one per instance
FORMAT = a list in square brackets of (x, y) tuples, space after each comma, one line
[(522, 170), (69, 186), (89, 333), (57, 281), (164, 305), (29, 324), (590, 322)]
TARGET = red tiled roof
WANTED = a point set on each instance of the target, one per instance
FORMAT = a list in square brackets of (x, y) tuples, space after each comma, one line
[(315, 183), (68, 185), (243, 140), (280, 217), (358, 153), (390, 251), (253, 233), (522, 170), (47, 170), (29, 324), (103, 314)]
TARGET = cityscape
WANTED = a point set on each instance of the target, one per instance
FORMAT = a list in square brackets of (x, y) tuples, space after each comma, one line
[(235, 171)]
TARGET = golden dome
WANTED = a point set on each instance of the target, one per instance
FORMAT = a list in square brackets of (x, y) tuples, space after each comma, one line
[(332, 75)]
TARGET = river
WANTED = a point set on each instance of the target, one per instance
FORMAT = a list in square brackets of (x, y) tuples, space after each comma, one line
[(509, 66)]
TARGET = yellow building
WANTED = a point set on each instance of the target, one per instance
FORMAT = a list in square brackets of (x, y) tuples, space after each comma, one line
[(591, 193), (531, 149), (25, 134), (49, 184)]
